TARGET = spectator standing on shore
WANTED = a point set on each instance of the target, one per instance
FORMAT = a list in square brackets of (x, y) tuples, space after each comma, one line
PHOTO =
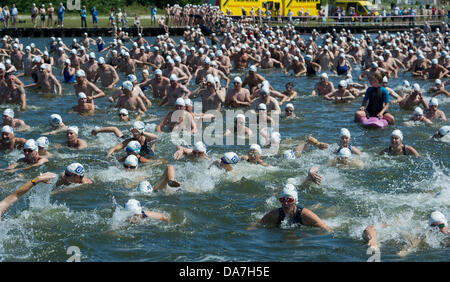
[(14, 13), (50, 11), (83, 16), (111, 17), (6, 16), (61, 11), (94, 14), (413, 16), (137, 24), (124, 19), (34, 13), (153, 15), (118, 16), (42, 12)]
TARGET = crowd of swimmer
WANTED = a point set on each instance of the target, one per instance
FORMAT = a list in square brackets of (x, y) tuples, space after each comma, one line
[(206, 63)]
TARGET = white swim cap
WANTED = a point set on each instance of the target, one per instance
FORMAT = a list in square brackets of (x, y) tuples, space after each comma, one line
[(139, 125), (434, 102), (55, 119), (7, 129), (406, 84), (173, 77), (253, 68), (345, 132), (437, 216), (434, 61), (324, 75), (81, 95), (30, 144), (131, 160), (42, 142), (418, 111), (238, 80), (145, 187), (123, 111), (133, 206), (92, 55), (101, 61), (180, 102), (230, 158), (343, 83), (43, 66), (133, 147), (256, 147), (275, 137), (67, 61), (80, 73), (289, 190), (374, 65), (416, 87), (145, 71), (289, 155), (188, 102), (75, 168), (131, 77), (3, 67), (344, 153), (73, 128), (438, 81), (290, 105), (397, 133), (444, 130), (128, 85), (385, 79), (158, 72), (262, 106), (199, 147), (240, 116), (265, 90), (9, 113)]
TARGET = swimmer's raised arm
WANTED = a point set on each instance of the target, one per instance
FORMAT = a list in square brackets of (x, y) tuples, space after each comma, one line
[(13, 197)]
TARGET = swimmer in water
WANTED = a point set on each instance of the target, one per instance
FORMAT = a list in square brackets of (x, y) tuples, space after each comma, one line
[(289, 111), (344, 158), (432, 112), (134, 206), (443, 131), (83, 107), (226, 161), (18, 124), (291, 212), (73, 174), (57, 123), (43, 143), (344, 142), (23, 189), (9, 141), (437, 221), (197, 152), (32, 158), (419, 117), (72, 139), (397, 148), (254, 155)]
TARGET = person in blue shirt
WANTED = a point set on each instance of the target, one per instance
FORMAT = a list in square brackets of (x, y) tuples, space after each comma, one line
[(153, 14), (61, 11), (94, 13), (83, 16), (375, 102)]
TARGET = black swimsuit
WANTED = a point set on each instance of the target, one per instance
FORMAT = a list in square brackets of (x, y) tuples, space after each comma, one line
[(297, 217), (404, 150)]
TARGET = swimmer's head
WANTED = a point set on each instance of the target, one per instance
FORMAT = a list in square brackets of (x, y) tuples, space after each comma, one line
[(42, 142), (133, 147), (275, 138), (30, 147), (396, 137), (127, 85), (289, 155), (131, 162), (438, 220), (199, 149), (344, 137), (230, 158), (343, 155), (133, 206), (289, 195), (255, 148), (8, 115), (55, 120), (139, 125), (418, 113), (72, 132), (74, 170), (443, 131), (434, 102), (180, 104), (145, 187)]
